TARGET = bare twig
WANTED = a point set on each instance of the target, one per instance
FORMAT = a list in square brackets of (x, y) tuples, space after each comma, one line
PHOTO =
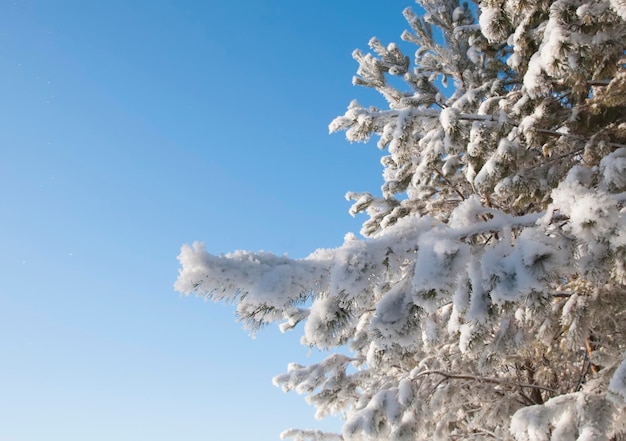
[(583, 372), (495, 224), (491, 380), (562, 294), (576, 137), (526, 399), (447, 181), (589, 348)]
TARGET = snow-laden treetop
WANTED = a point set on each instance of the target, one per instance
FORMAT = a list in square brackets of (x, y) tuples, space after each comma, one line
[(487, 296)]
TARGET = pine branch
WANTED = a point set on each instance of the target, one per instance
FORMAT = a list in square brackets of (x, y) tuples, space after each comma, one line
[(589, 349), (480, 379), (447, 181), (619, 197), (576, 137), (584, 369), (496, 224), (562, 294)]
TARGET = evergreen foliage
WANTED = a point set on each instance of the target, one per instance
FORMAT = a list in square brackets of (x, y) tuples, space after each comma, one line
[(487, 297)]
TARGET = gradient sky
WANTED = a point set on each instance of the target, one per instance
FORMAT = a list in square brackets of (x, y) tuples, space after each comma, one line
[(130, 127)]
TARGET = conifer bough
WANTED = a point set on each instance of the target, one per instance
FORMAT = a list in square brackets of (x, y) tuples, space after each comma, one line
[(486, 299)]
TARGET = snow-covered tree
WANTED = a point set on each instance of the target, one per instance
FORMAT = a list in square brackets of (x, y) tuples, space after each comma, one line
[(487, 296)]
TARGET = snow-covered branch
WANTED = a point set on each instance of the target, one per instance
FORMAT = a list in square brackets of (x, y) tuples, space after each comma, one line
[(481, 379), (492, 264)]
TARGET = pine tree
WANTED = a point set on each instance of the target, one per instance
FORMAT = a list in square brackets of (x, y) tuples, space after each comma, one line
[(487, 297)]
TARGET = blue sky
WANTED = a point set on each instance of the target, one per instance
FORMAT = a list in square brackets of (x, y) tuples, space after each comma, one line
[(128, 128)]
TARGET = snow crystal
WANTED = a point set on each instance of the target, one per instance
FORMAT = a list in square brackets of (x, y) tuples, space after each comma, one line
[(534, 80), (613, 169), (618, 382), (437, 258), (405, 392), (490, 21), (429, 331), (392, 308), (310, 435), (317, 329), (474, 55), (514, 61), (593, 215), (458, 14), (448, 118), (619, 6), (467, 213), (532, 423)]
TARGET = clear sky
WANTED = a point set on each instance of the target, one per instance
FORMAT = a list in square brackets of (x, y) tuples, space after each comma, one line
[(130, 127)]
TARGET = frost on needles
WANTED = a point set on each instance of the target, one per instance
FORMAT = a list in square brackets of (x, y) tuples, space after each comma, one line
[(487, 296)]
